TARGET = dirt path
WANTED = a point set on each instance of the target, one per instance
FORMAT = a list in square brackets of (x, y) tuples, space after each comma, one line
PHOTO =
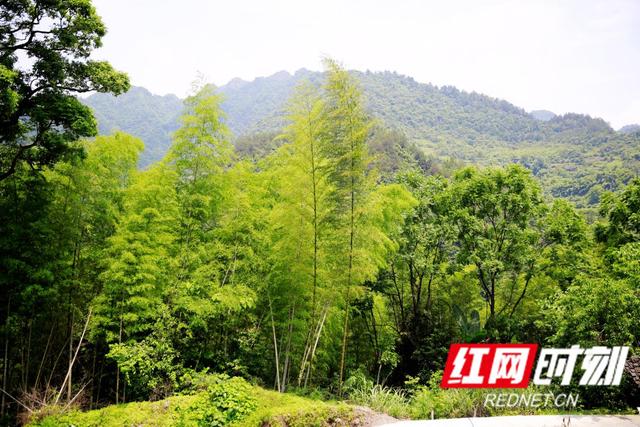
[(372, 418)]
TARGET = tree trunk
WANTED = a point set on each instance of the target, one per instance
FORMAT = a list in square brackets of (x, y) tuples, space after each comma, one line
[(70, 357), (117, 367), (345, 332), (275, 347), (285, 370), (6, 356), (315, 345)]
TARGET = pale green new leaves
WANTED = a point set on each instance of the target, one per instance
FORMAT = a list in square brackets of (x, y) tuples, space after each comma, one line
[(201, 156), (138, 258), (201, 147), (299, 216)]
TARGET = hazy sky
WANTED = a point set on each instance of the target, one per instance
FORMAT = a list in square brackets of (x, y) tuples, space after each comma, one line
[(580, 56)]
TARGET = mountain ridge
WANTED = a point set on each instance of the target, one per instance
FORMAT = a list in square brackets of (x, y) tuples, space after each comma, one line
[(575, 156)]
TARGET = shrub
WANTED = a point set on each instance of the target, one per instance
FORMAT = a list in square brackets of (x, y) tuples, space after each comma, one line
[(151, 366), (225, 401), (445, 403)]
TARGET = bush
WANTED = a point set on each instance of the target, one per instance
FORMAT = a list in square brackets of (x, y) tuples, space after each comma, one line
[(225, 401), (445, 403), (212, 400), (420, 402), (151, 366)]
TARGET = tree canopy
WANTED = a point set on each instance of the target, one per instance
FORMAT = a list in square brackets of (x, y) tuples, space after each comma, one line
[(44, 61)]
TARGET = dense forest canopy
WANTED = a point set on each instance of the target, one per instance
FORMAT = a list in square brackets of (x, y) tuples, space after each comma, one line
[(574, 156)]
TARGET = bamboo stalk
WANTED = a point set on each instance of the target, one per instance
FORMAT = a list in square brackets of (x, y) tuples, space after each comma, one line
[(68, 376)]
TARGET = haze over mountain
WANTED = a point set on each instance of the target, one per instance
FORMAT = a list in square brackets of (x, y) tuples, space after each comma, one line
[(150, 117), (630, 128), (576, 156), (543, 115)]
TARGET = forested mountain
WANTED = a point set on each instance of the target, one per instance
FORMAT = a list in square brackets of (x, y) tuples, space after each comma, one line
[(575, 156), (151, 118)]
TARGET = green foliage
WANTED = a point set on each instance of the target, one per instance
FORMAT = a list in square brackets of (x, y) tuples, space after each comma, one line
[(362, 391), (328, 251), (225, 401), (394, 153), (151, 118), (152, 366), (564, 242), (626, 263), (44, 60), (417, 270), (432, 401), (422, 402), (137, 259), (494, 210), (285, 409), (595, 311), (220, 401), (257, 146), (622, 212), (164, 413), (480, 239), (55, 227)]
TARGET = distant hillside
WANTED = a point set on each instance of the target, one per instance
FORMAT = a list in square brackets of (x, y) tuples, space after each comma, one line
[(150, 117), (575, 156), (247, 104), (418, 109)]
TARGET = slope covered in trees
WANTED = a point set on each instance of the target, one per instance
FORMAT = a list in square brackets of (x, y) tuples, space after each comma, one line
[(574, 156), (138, 112)]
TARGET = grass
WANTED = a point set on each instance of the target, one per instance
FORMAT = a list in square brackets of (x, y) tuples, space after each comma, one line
[(163, 413), (271, 409), (383, 399), (282, 409)]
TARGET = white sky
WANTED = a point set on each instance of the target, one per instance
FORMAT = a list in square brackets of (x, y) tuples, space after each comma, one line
[(564, 56)]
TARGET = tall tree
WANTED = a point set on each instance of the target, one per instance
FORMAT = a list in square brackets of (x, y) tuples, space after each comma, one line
[(138, 262), (87, 203), (200, 154), (299, 227), (44, 61), (422, 264), (621, 212), (347, 150), (206, 294), (495, 210), (506, 232), (55, 227)]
